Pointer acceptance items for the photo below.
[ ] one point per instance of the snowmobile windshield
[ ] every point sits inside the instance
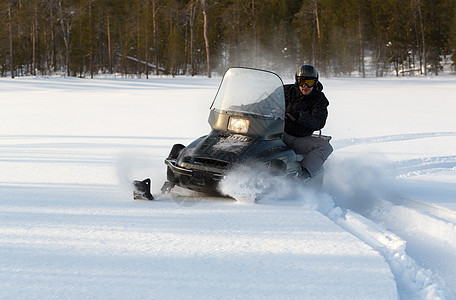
(251, 91)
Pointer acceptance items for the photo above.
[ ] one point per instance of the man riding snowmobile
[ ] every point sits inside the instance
(247, 118)
(306, 112)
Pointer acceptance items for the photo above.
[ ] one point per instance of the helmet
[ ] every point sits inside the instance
(307, 71)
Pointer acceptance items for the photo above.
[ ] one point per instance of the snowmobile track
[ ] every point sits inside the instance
(422, 166)
(423, 218)
(382, 228)
(413, 280)
(436, 210)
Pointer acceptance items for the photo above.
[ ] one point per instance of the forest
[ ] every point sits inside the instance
(139, 38)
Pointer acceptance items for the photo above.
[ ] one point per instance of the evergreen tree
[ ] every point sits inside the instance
(138, 37)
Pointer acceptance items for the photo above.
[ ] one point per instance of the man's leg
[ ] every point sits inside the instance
(316, 151)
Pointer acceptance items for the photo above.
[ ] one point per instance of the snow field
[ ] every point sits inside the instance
(69, 229)
(99, 245)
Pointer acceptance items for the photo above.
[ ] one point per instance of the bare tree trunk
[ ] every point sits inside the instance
(317, 21)
(67, 18)
(361, 42)
(20, 33)
(34, 34)
(255, 40)
(147, 39)
(66, 36)
(10, 34)
(54, 55)
(91, 39)
(108, 29)
(206, 39)
(422, 37)
(192, 23)
(154, 25)
(124, 43)
(138, 48)
(417, 38)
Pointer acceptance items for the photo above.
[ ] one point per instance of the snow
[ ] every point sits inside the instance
(381, 227)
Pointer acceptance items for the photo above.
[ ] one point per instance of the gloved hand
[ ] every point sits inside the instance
(290, 114)
(290, 117)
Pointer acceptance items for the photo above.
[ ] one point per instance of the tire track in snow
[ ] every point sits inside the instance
(398, 228)
(413, 281)
(373, 219)
(430, 232)
(389, 138)
(416, 238)
(440, 212)
(421, 166)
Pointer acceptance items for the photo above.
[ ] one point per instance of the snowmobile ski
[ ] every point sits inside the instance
(142, 190)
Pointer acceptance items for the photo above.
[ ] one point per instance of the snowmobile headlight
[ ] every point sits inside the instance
(238, 125)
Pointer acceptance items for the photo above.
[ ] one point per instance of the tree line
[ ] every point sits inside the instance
(142, 37)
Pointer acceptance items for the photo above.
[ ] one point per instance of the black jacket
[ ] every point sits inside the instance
(305, 114)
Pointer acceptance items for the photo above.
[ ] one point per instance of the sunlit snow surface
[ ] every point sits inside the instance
(70, 229)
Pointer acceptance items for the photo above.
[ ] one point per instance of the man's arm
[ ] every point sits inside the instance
(316, 119)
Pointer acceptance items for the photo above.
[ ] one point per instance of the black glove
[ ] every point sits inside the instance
(290, 114)
(290, 117)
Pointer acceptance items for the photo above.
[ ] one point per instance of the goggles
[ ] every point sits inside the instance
(305, 81)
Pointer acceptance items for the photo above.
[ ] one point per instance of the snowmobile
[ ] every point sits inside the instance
(247, 118)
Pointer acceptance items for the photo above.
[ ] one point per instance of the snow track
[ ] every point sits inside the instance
(428, 165)
(401, 229)
(417, 237)
(396, 226)
(413, 282)
(439, 212)
(391, 138)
